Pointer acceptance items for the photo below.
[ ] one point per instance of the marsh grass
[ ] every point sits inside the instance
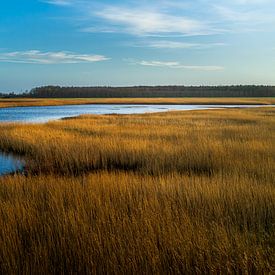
(16, 102)
(230, 142)
(178, 192)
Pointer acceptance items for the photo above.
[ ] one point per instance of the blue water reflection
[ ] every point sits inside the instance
(10, 164)
(46, 113)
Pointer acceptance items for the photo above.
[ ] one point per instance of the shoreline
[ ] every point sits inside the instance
(47, 102)
(24, 171)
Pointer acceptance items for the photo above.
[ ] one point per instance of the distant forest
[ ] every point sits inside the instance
(147, 91)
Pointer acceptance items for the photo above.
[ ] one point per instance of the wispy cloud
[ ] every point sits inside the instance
(174, 17)
(233, 15)
(139, 21)
(249, 2)
(246, 14)
(58, 2)
(175, 65)
(165, 44)
(100, 30)
(38, 57)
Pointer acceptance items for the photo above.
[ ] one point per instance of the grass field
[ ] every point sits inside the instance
(11, 102)
(177, 192)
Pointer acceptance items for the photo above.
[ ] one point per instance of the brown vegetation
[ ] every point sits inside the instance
(189, 192)
(24, 102)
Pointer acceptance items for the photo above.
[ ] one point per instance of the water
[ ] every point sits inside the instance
(9, 164)
(47, 113)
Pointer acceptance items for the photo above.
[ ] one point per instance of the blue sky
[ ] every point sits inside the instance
(130, 42)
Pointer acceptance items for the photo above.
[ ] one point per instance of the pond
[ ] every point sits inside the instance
(47, 113)
(10, 164)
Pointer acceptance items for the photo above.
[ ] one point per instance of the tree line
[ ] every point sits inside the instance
(148, 91)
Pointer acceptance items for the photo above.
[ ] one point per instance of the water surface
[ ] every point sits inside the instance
(46, 113)
(10, 164)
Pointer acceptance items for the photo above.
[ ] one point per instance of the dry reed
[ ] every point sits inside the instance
(16, 102)
(178, 192)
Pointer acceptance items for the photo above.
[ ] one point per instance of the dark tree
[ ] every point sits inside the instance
(154, 91)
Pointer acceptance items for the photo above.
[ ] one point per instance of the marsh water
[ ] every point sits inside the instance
(10, 163)
(47, 113)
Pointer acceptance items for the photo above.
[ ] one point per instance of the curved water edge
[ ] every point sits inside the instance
(41, 114)
(9, 164)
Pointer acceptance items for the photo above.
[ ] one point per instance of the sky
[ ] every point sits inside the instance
(136, 42)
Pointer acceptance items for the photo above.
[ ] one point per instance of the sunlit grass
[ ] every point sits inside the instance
(15, 102)
(178, 192)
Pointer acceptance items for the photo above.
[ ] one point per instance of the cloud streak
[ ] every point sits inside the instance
(166, 18)
(176, 65)
(59, 2)
(166, 44)
(139, 21)
(38, 57)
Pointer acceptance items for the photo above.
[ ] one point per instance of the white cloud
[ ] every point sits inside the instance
(172, 18)
(147, 22)
(164, 44)
(176, 65)
(38, 57)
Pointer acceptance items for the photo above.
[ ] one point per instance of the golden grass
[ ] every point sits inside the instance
(24, 102)
(178, 192)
